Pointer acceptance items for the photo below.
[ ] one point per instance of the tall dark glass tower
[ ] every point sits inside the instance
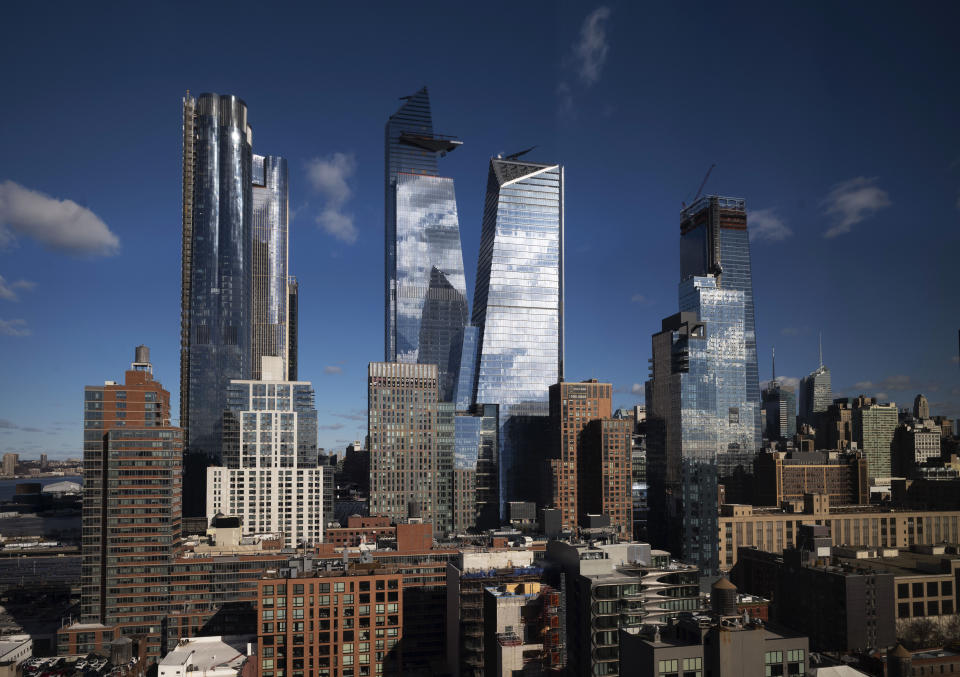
(425, 288)
(714, 241)
(216, 307)
(518, 308)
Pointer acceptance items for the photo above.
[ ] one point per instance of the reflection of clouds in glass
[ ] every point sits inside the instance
(518, 300)
(431, 308)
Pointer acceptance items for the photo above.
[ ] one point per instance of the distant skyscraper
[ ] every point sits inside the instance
(714, 240)
(921, 408)
(271, 479)
(269, 261)
(412, 437)
(874, 428)
(518, 307)
(215, 318)
(425, 291)
(816, 393)
(131, 502)
(780, 408)
(780, 404)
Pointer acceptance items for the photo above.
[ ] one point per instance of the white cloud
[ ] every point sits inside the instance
(881, 397)
(14, 328)
(8, 291)
(765, 225)
(639, 298)
(330, 177)
(332, 369)
(591, 51)
(62, 225)
(789, 381)
(637, 389)
(852, 201)
(790, 331)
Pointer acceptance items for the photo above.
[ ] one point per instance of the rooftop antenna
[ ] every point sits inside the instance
(773, 352)
(820, 346)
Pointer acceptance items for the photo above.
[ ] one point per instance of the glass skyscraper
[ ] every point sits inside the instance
(714, 241)
(816, 394)
(269, 258)
(780, 405)
(701, 421)
(518, 307)
(425, 288)
(682, 440)
(216, 305)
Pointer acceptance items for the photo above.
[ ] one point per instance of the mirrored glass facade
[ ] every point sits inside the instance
(723, 311)
(714, 241)
(475, 468)
(425, 290)
(466, 357)
(215, 318)
(682, 441)
(519, 306)
(269, 294)
(431, 294)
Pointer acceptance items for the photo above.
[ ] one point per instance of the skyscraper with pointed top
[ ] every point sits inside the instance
(518, 308)
(816, 391)
(780, 406)
(425, 302)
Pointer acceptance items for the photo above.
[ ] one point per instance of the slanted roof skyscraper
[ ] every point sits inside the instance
(425, 302)
(518, 305)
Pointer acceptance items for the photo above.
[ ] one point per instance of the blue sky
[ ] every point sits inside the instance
(836, 121)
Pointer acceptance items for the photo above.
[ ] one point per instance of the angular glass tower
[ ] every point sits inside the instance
(215, 313)
(518, 307)
(714, 241)
(269, 300)
(425, 288)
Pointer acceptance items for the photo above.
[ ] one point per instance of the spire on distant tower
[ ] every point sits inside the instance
(820, 347)
(773, 378)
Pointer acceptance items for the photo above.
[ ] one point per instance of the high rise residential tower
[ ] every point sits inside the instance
(425, 288)
(131, 503)
(270, 479)
(269, 262)
(714, 241)
(412, 441)
(215, 320)
(518, 307)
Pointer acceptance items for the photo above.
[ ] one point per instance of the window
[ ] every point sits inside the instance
(918, 589)
(932, 589)
(946, 588)
(903, 590)
(917, 609)
(903, 610)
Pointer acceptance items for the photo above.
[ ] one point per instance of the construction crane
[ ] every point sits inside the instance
(700, 189)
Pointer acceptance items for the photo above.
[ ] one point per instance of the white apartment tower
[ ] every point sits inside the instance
(270, 478)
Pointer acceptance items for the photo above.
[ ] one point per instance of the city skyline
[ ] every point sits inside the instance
(835, 222)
